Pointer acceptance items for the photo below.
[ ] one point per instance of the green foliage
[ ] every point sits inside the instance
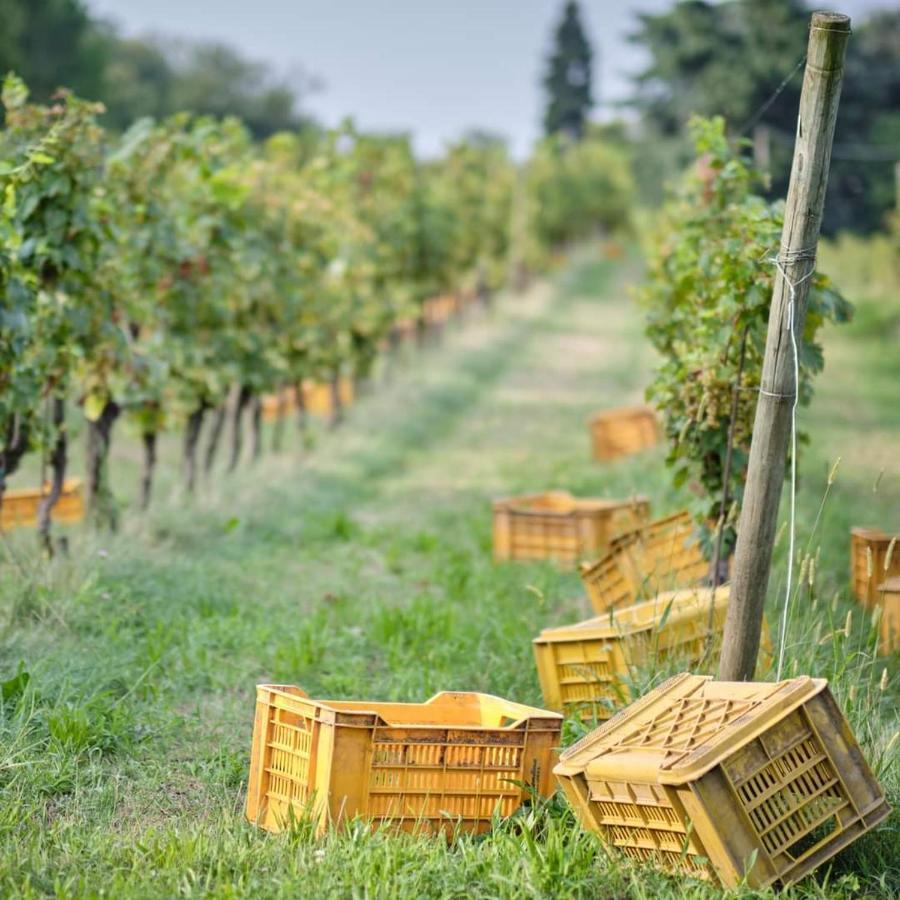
(150, 273)
(475, 185)
(576, 188)
(53, 43)
(730, 59)
(568, 81)
(709, 282)
(51, 231)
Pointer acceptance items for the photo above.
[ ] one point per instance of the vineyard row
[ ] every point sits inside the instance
(155, 273)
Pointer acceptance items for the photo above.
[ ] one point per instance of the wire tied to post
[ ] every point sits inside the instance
(789, 258)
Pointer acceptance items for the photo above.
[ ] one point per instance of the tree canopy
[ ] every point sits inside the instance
(56, 43)
(742, 59)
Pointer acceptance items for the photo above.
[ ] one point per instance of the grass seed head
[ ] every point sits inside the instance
(890, 554)
(780, 533)
(891, 743)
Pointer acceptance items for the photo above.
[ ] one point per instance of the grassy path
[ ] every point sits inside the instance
(359, 570)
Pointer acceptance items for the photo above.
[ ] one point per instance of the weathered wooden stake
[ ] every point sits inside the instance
(771, 429)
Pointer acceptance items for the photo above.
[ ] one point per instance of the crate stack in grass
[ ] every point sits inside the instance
(656, 556)
(648, 590)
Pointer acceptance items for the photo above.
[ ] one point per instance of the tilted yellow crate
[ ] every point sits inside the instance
(726, 780)
(657, 556)
(584, 668)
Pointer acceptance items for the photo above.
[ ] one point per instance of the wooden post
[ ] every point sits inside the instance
(771, 429)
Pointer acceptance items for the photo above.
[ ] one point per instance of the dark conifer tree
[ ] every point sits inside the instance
(568, 78)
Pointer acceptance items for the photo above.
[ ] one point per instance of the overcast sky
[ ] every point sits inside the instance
(431, 67)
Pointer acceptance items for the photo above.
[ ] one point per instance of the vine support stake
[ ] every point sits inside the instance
(771, 428)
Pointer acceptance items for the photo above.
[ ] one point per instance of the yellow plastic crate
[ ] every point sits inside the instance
(440, 309)
(21, 505)
(726, 780)
(583, 668)
(889, 601)
(623, 431)
(406, 328)
(453, 762)
(659, 556)
(274, 406)
(557, 526)
(866, 543)
(316, 396)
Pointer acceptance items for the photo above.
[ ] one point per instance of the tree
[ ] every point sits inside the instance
(138, 83)
(861, 186)
(56, 43)
(53, 44)
(214, 79)
(568, 79)
(693, 48)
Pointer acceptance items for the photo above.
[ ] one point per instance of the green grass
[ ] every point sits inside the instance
(362, 569)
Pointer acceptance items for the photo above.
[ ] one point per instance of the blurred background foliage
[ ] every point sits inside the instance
(692, 53)
(730, 59)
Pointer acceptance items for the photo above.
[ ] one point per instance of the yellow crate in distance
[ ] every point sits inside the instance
(889, 601)
(657, 556)
(708, 777)
(452, 762)
(874, 557)
(583, 669)
(557, 526)
(316, 399)
(623, 431)
(21, 505)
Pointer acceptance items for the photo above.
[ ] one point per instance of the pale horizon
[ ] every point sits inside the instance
(434, 70)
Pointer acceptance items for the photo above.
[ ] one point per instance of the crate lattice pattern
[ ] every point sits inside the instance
(783, 780)
(687, 724)
(792, 789)
(661, 555)
(435, 778)
(289, 768)
(536, 536)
